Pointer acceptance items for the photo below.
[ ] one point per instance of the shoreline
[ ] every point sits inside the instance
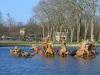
(7, 45)
(68, 45)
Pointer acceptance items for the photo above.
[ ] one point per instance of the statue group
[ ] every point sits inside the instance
(87, 49)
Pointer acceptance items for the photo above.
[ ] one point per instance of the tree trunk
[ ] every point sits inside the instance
(48, 31)
(78, 27)
(56, 31)
(66, 37)
(92, 20)
(85, 33)
(78, 33)
(92, 25)
(42, 30)
(60, 32)
(53, 34)
(72, 33)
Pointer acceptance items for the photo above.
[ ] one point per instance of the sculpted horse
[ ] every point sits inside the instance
(37, 51)
(83, 50)
(92, 49)
(18, 52)
(15, 51)
(12, 51)
(45, 44)
(86, 50)
(49, 50)
(63, 51)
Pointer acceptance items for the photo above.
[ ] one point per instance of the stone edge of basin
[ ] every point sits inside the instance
(68, 45)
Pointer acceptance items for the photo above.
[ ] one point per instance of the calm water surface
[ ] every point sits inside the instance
(38, 65)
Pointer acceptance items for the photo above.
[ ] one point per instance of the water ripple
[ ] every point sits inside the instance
(55, 66)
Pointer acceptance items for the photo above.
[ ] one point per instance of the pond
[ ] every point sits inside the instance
(37, 65)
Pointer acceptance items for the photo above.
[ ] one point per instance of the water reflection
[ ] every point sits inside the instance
(63, 59)
(48, 58)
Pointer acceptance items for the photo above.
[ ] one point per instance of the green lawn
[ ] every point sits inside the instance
(33, 42)
(19, 42)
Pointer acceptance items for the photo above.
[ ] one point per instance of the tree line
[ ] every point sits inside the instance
(79, 20)
(11, 28)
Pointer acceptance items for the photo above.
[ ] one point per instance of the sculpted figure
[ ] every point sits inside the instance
(86, 49)
(45, 44)
(37, 51)
(63, 51)
(49, 51)
(18, 52)
(83, 50)
(92, 49)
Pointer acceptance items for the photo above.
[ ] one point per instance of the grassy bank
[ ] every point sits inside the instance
(21, 42)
